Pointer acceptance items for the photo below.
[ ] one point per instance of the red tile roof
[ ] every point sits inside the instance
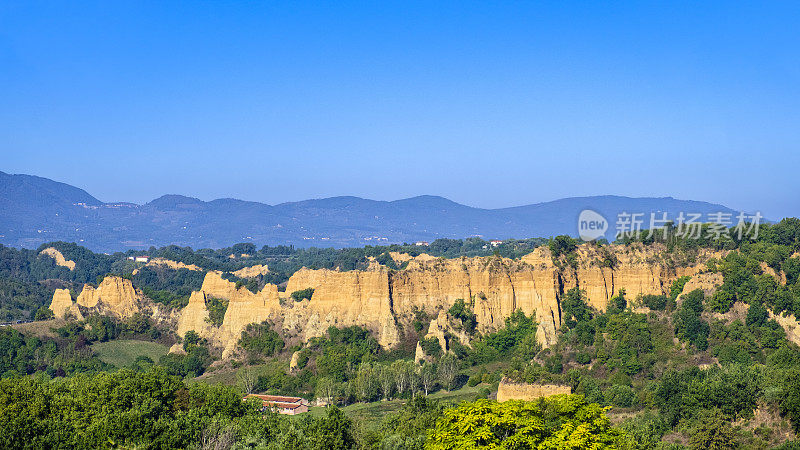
(275, 398)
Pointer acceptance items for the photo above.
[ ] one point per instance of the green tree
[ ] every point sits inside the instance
(334, 431)
(448, 370)
(688, 324)
(713, 432)
(303, 294)
(261, 340)
(216, 309)
(463, 312)
(574, 308)
(43, 314)
(562, 421)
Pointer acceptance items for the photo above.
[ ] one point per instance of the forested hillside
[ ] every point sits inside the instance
(711, 362)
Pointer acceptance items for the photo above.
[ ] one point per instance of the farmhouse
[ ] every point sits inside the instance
(143, 259)
(281, 404)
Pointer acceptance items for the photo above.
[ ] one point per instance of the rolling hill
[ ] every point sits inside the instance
(34, 210)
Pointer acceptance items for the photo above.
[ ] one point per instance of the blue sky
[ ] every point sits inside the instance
(489, 104)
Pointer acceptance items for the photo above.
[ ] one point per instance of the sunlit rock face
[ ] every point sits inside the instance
(386, 301)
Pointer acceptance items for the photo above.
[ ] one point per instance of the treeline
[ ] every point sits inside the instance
(784, 233)
(285, 260)
(151, 409)
(167, 286)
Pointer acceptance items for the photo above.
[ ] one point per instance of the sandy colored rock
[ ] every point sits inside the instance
(400, 258)
(293, 362)
(378, 298)
(194, 316)
(419, 354)
(779, 276)
(344, 299)
(708, 282)
(508, 390)
(383, 300)
(62, 305)
(177, 349)
(175, 265)
(244, 308)
(115, 295)
(252, 271)
(61, 302)
(58, 257)
(789, 324)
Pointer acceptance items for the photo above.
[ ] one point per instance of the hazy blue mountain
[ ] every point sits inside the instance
(34, 210)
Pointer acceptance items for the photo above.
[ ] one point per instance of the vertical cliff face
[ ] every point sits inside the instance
(244, 308)
(343, 299)
(62, 304)
(115, 295)
(496, 287)
(194, 316)
(385, 301)
(638, 269)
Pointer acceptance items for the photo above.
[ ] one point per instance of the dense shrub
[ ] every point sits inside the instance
(303, 294)
(261, 340)
(216, 309)
(462, 312)
(689, 326)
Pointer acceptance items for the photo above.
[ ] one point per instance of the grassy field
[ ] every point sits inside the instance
(42, 328)
(122, 353)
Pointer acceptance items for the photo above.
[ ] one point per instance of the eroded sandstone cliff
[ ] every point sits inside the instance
(114, 295)
(387, 301)
(244, 307)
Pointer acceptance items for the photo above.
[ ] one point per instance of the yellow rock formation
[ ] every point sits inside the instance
(244, 307)
(172, 264)
(439, 328)
(400, 258)
(62, 304)
(194, 316)
(252, 271)
(790, 325)
(115, 295)
(58, 257)
(707, 282)
(343, 299)
(384, 300)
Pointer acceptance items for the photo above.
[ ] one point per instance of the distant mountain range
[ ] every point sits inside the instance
(34, 210)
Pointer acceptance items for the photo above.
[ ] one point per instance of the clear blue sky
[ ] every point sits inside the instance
(487, 104)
